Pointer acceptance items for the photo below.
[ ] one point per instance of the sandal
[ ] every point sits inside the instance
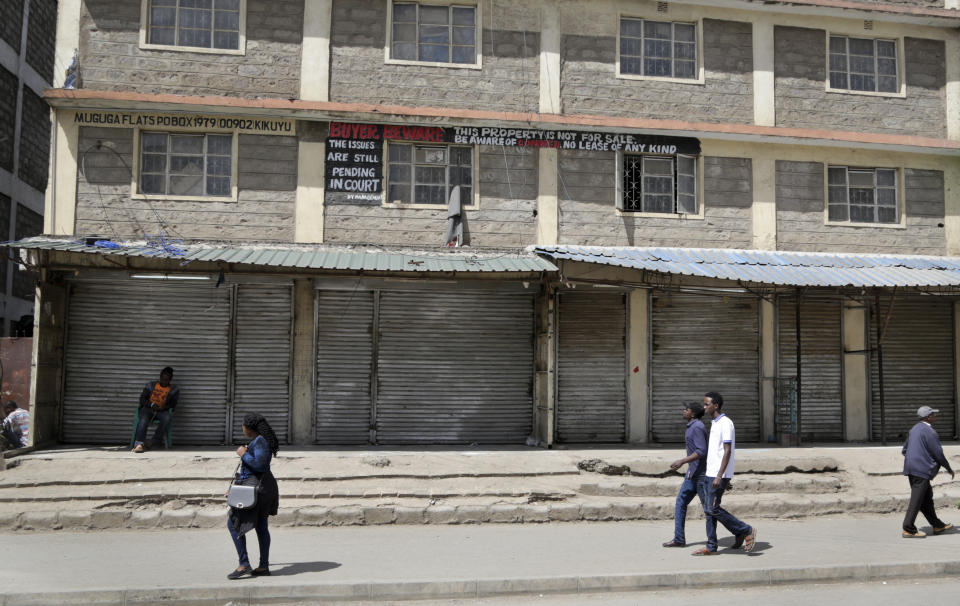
(703, 551)
(750, 541)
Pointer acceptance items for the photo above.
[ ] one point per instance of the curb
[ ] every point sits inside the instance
(238, 595)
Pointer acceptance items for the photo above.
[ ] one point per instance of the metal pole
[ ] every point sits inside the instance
(799, 365)
(883, 408)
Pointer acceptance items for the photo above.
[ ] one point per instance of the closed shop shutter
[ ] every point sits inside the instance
(344, 346)
(121, 333)
(454, 367)
(592, 368)
(821, 389)
(705, 343)
(263, 356)
(917, 365)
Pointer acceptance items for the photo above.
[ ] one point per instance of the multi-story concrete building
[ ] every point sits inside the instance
(658, 198)
(26, 70)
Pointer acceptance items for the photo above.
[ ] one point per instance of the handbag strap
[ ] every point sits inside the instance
(234, 476)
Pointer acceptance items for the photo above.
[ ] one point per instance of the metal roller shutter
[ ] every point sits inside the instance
(262, 356)
(344, 346)
(454, 367)
(591, 368)
(120, 334)
(917, 365)
(821, 391)
(705, 343)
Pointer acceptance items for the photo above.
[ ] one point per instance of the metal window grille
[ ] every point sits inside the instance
(436, 34)
(178, 164)
(863, 64)
(196, 23)
(658, 48)
(862, 195)
(659, 184)
(426, 174)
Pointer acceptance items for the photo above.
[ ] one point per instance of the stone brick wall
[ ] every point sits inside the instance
(264, 211)
(802, 100)
(28, 224)
(11, 23)
(34, 140)
(588, 207)
(509, 80)
(505, 218)
(110, 57)
(9, 87)
(41, 37)
(589, 84)
(801, 224)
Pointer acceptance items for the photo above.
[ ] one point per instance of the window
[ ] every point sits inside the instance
(862, 195)
(434, 33)
(175, 164)
(658, 48)
(660, 184)
(213, 24)
(862, 64)
(426, 174)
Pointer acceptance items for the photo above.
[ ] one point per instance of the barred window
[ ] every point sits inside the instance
(862, 195)
(426, 174)
(176, 164)
(863, 64)
(195, 23)
(658, 48)
(659, 184)
(437, 34)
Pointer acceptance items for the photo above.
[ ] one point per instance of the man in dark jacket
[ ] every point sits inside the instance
(923, 457)
(157, 399)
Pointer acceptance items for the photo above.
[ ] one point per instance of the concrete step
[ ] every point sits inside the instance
(657, 487)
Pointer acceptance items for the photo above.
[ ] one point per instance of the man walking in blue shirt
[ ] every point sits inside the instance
(696, 438)
(923, 457)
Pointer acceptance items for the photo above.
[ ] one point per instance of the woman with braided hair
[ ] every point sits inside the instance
(255, 469)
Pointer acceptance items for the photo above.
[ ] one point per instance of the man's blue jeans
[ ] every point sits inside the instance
(689, 489)
(715, 514)
(146, 416)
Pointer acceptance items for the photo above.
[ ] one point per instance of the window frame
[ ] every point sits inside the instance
(145, 35)
(135, 192)
(698, 184)
(478, 35)
(697, 23)
(472, 204)
(899, 190)
(901, 67)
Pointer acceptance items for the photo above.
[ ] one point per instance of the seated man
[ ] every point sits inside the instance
(157, 399)
(16, 425)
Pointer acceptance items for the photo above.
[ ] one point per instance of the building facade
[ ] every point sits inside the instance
(26, 69)
(263, 192)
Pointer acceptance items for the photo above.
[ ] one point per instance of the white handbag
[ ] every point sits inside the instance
(242, 496)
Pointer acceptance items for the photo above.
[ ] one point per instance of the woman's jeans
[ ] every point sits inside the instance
(715, 514)
(263, 538)
(691, 487)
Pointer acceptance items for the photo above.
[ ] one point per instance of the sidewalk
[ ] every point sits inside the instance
(181, 567)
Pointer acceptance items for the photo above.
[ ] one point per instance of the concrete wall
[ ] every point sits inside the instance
(589, 84)
(801, 223)
(47, 364)
(588, 214)
(264, 211)
(508, 80)
(111, 59)
(508, 180)
(802, 100)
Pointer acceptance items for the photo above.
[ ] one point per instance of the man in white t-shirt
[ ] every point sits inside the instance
(720, 457)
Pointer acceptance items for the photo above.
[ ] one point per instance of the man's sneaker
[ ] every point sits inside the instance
(137, 448)
(914, 535)
(942, 529)
(738, 541)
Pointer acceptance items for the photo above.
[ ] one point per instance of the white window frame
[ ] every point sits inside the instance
(900, 223)
(478, 20)
(138, 151)
(145, 35)
(698, 27)
(901, 72)
(620, 190)
(472, 204)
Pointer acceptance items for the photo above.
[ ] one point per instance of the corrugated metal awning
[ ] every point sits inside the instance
(772, 267)
(305, 256)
